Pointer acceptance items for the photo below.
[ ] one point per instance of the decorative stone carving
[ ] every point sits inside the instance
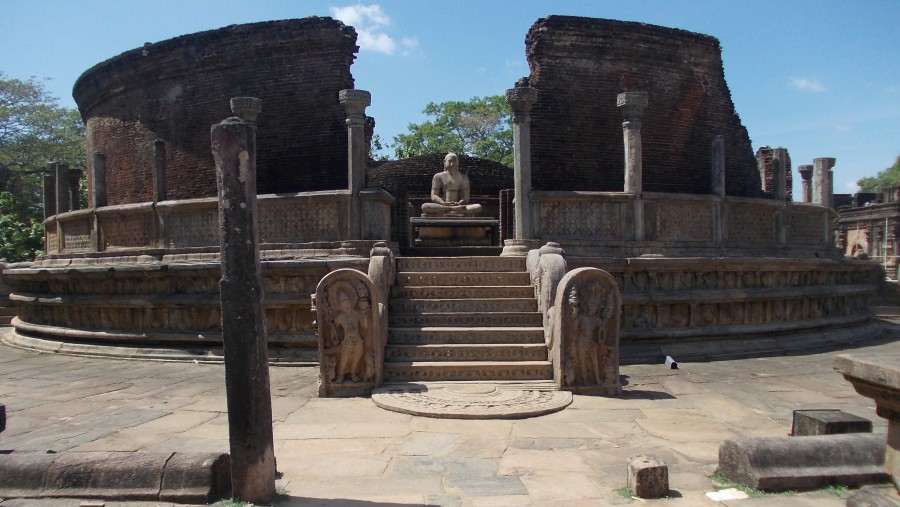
(349, 311)
(585, 347)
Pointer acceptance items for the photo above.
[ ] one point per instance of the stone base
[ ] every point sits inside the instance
(809, 423)
(454, 231)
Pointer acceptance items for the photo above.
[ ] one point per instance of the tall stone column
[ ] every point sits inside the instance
(63, 192)
(243, 314)
(821, 181)
(49, 191)
(355, 103)
(805, 186)
(633, 105)
(159, 171)
(717, 182)
(98, 180)
(779, 174)
(520, 99)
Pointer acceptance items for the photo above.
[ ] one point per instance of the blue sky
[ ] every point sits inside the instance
(820, 78)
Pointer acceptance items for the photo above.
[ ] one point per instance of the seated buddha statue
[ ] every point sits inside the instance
(450, 192)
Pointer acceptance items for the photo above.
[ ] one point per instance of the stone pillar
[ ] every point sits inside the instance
(243, 313)
(75, 187)
(355, 103)
(98, 181)
(717, 182)
(63, 193)
(520, 100)
(805, 186)
(632, 105)
(49, 191)
(159, 170)
(820, 183)
(779, 174)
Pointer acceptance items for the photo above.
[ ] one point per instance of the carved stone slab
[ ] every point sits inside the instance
(585, 332)
(470, 401)
(349, 327)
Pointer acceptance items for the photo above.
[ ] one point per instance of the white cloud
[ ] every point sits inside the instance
(370, 22)
(851, 187)
(807, 85)
(843, 127)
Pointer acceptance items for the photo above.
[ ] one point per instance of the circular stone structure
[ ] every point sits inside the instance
(470, 401)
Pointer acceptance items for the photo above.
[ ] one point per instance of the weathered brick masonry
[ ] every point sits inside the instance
(176, 89)
(579, 65)
(767, 171)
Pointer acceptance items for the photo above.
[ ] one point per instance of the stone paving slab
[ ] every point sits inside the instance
(348, 452)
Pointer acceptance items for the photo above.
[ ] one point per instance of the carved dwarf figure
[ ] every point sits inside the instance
(348, 325)
(454, 185)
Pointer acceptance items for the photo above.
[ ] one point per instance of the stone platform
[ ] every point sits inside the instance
(455, 231)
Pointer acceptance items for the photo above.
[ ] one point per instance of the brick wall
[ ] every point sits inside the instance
(176, 89)
(409, 181)
(579, 65)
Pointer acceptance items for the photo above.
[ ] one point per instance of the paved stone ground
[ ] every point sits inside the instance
(348, 452)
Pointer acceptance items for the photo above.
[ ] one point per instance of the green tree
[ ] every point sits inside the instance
(481, 127)
(889, 177)
(34, 129)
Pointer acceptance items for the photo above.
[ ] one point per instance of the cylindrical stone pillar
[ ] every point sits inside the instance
(355, 103)
(63, 192)
(98, 180)
(49, 191)
(159, 170)
(243, 314)
(805, 186)
(821, 183)
(520, 99)
(632, 105)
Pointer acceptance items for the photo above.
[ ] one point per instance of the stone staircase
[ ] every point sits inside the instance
(464, 319)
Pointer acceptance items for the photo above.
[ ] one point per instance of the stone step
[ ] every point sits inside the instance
(450, 353)
(468, 278)
(468, 370)
(464, 292)
(465, 335)
(500, 305)
(445, 264)
(6, 315)
(473, 319)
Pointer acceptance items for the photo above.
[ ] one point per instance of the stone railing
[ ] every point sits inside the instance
(193, 223)
(580, 220)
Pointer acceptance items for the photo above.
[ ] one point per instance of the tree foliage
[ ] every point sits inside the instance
(481, 127)
(34, 129)
(889, 177)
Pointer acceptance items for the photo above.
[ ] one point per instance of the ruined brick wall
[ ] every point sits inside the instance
(409, 181)
(579, 65)
(176, 89)
(767, 171)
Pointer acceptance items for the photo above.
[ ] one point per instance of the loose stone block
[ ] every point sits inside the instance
(828, 422)
(802, 463)
(648, 476)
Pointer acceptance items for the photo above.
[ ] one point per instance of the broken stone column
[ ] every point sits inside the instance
(355, 103)
(159, 170)
(520, 99)
(63, 193)
(779, 174)
(805, 184)
(633, 105)
(243, 313)
(75, 188)
(49, 191)
(821, 183)
(98, 182)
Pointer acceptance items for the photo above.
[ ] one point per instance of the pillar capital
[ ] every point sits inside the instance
(246, 108)
(632, 104)
(355, 103)
(520, 99)
(805, 171)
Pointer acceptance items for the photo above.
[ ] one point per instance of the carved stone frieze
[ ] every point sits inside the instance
(349, 328)
(596, 220)
(752, 223)
(131, 230)
(684, 221)
(77, 236)
(192, 228)
(284, 221)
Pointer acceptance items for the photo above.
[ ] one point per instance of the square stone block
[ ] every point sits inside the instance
(828, 422)
(648, 476)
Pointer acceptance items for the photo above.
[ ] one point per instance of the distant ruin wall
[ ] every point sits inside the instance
(176, 89)
(579, 65)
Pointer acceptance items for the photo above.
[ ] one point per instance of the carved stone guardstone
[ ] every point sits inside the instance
(585, 333)
(348, 310)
